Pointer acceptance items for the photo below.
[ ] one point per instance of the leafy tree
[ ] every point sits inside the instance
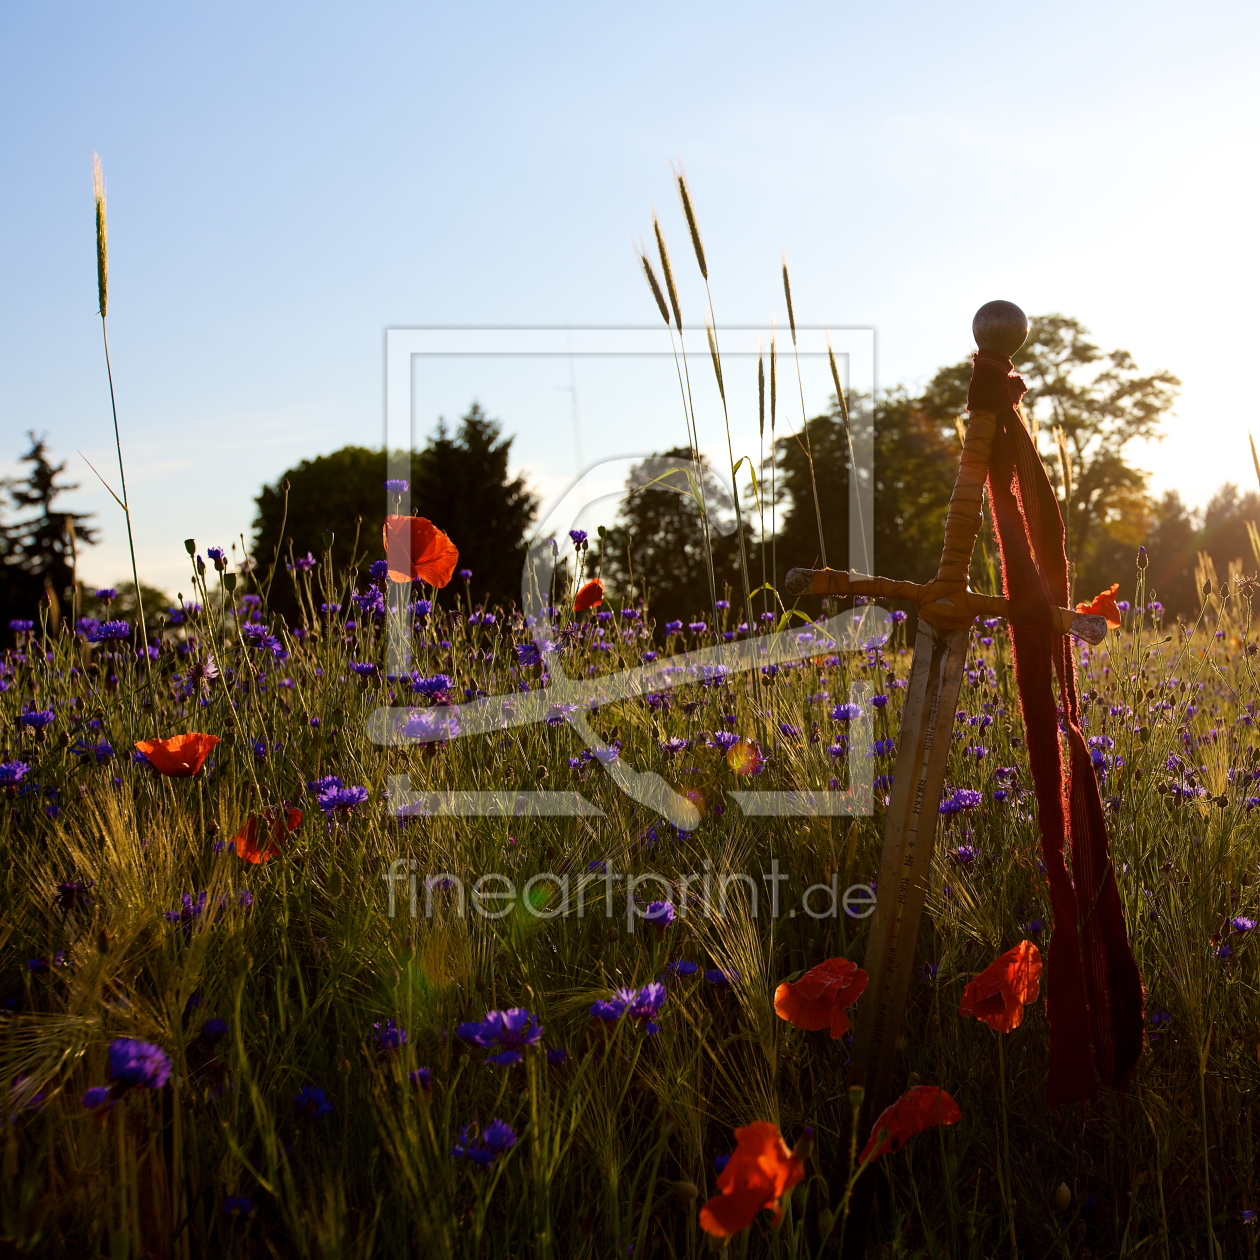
(460, 482)
(35, 549)
(656, 551)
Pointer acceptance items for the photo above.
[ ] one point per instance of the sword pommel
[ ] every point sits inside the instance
(1000, 326)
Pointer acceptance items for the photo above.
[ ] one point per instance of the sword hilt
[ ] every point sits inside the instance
(1001, 327)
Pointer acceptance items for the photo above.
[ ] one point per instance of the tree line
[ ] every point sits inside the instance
(1086, 408)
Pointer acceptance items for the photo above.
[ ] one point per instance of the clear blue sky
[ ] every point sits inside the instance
(286, 182)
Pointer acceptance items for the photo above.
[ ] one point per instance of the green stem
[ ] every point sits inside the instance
(1006, 1146)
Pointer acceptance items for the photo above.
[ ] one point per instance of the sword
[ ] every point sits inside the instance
(946, 611)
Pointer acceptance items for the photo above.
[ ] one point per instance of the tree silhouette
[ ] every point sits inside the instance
(36, 554)
(460, 482)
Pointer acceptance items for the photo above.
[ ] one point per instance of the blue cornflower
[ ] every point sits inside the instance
(71, 894)
(20, 626)
(723, 979)
(98, 1096)
(724, 740)
(432, 725)
(846, 712)
(101, 751)
(532, 653)
(422, 1079)
(789, 730)
(188, 912)
(389, 1036)
(681, 968)
(1034, 927)
(660, 914)
(342, 800)
(434, 688)
(378, 569)
(312, 1103)
(363, 668)
(963, 798)
(722, 604)
(397, 485)
(465, 575)
(879, 702)
(965, 854)
(214, 1030)
(138, 1064)
(578, 536)
(513, 1029)
(642, 1004)
(260, 749)
(237, 1205)
(325, 784)
(697, 627)
(673, 627)
(673, 745)
(37, 719)
(484, 1148)
(109, 632)
(1243, 924)
(216, 554)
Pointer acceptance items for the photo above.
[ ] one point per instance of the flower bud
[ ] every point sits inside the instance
(857, 1095)
(1062, 1197)
(190, 546)
(686, 1190)
(1142, 560)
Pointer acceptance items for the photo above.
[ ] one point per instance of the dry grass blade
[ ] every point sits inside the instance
(668, 270)
(654, 286)
(1254, 459)
(1065, 462)
(787, 293)
(691, 223)
(102, 251)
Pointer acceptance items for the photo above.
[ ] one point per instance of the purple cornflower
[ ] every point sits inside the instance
(19, 626)
(1243, 924)
(723, 979)
(342, 800)
(189, 912)
(672, 746)
(697, 627)
(217, 555)
(396, 485)
(557, 1056)
(378, 569)
(37, 719)
(101, 751)
(963, 798)
(109, 632)
(98, 1096)
(846, 712)
(965, 854)
(422, 1079)
(71, 894)
(435, 688)
(237, 1205)
(660, 914)
(312, 1103)
(325, 784)
(724, 740)
(578, 536)
(673, 627)
(1034, 927)
(484, 1148)
(363, 668)
(680, 968)
(642, 1004)
(432, 725)
(513, 1030)
(214, 1030)
(389, 1036)
(465, 575)
(138, 1064)
(879, 702)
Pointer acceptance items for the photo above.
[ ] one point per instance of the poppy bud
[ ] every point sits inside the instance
(826, 1220)
(190, 546)
(102, 942)
(328, 539)
(1063, 1197)
(1207, 587)
(857, 1095)
(686, 1190)
(229, 582)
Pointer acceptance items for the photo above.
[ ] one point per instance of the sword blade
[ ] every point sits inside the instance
(923, 746)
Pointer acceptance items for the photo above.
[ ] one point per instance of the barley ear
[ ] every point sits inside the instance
(787, 293)
(691, 223)
(713, 352)
(761, 391)
(102, 252)
(654, 286)
(668, 270)
(774, 372)
(835, 376)
(1254, 459)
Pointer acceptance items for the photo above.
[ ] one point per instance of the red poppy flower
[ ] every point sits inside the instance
(274, 824)
(590, 596)
(1104, 605)
(760, 1172)
(179, 757)
(919, 1108)
(817, 1000)
(1000, 992)
(417, 551)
